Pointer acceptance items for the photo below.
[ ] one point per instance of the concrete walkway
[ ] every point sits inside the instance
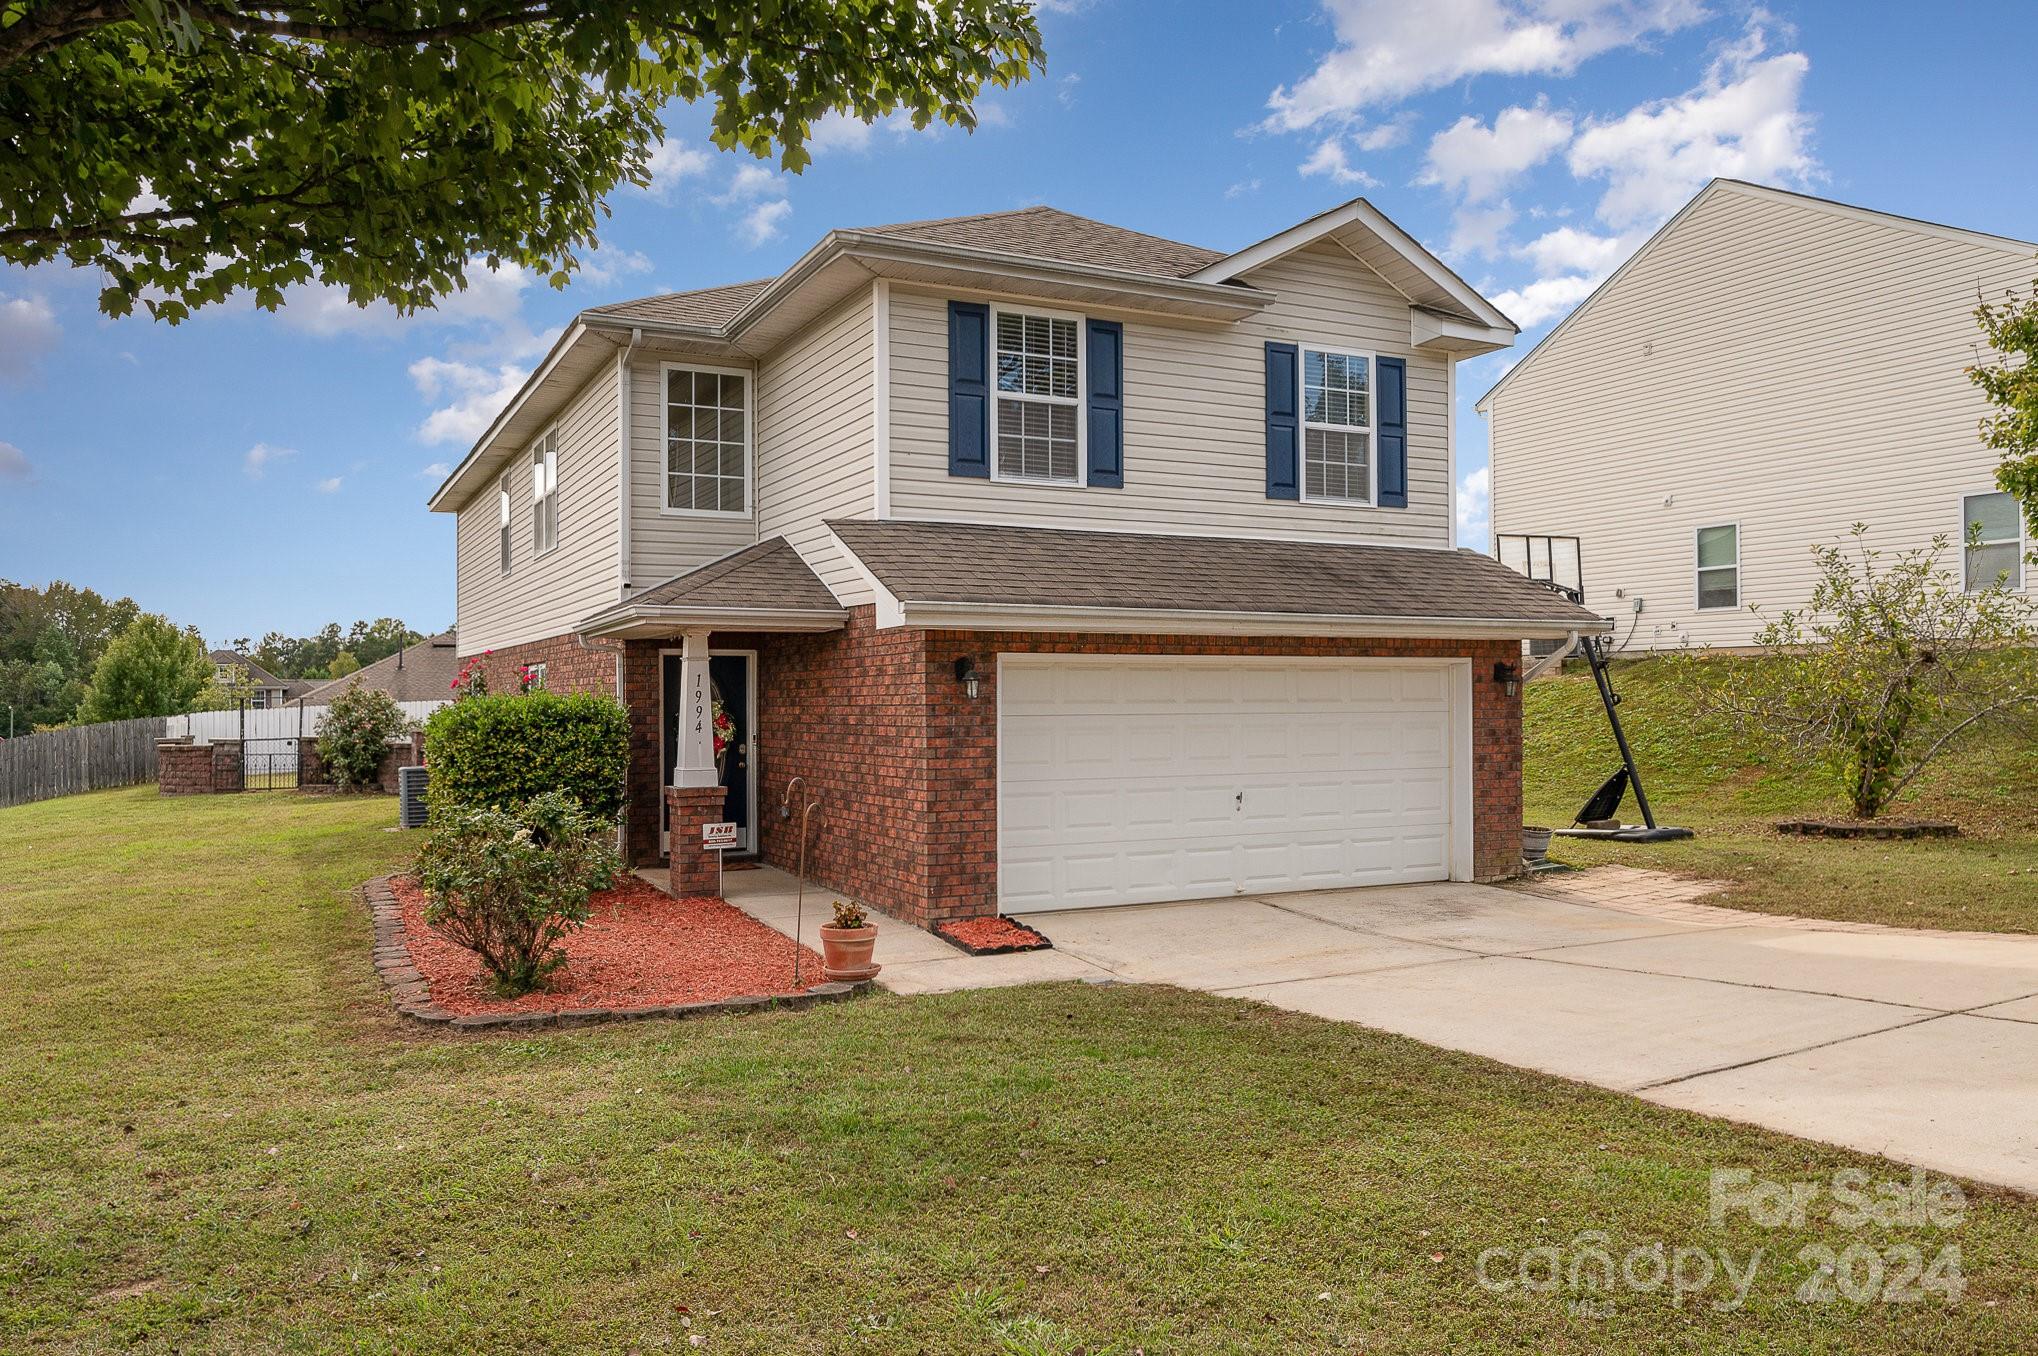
(1916, 1045)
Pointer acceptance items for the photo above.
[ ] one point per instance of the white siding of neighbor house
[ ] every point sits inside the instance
(545, 596)
(814, 416)
(1195, 418)
(1770, 362)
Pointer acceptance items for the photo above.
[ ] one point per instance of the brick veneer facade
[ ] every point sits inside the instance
(904, 763)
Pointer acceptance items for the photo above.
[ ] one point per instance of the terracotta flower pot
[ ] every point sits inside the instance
(845, 953)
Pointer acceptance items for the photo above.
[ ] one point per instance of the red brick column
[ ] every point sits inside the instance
(228, 769)
(183, 768)
(694, 869)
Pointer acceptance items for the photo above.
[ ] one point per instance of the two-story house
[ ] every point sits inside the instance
(1062, 565)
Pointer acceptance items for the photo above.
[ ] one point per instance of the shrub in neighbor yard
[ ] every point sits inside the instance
(1893, 663)
(502, 750)
(508, 884)
(354, 736)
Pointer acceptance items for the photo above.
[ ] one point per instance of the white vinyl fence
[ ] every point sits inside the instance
(281, 722)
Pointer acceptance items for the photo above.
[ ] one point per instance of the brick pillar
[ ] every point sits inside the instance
(227, 767)
(694, 869)
(183, 768)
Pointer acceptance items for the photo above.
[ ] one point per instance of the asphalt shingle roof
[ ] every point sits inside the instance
(1047, 567)
(425, 674)
(708, 307)
(767, 575)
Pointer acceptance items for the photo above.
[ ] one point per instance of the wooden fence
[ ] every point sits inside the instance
(82, 758)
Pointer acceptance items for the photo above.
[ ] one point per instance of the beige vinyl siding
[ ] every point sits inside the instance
(665, 544)
(814, 420)
(545, 595)
(1767, 362)
(1195, 418)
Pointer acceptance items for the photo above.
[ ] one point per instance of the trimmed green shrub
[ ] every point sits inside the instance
(508, 884)
(500, 751)
(354, 737)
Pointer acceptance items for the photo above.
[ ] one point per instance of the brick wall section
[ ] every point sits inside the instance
(183, 768)
(569, 666)
(313, 775)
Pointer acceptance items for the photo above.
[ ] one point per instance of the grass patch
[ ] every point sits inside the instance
(216, 1137)
(1707, 775)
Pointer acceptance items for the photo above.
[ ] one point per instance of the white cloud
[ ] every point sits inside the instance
(671, 164)
(749, 183)
(437, 470)
(1743, 121)
(1544, 299)
(762, 222)
(612, 262)
(474, 395)
(1478, 162)
(330, 485)
(492, 296)
(14, 463)
(1477, 230)
(1065, 89)
(1329, 158)
(1570, 250)
(1242, 187)
(28, 330)
(1475, 506)
(1388, 50)
(262, 456)
(837, 131)
(1387, 135)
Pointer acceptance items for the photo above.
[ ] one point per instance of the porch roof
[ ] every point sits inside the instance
(766, 587)
(985, 576)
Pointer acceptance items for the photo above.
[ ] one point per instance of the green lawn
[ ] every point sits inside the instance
(215, 1137)
(1706, 775)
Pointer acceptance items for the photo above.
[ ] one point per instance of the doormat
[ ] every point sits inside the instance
(995, 936)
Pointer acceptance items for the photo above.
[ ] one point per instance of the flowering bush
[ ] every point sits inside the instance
(473, 679)
(356, 732)
(509, 884)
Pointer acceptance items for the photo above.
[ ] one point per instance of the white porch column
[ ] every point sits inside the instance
(695, 763)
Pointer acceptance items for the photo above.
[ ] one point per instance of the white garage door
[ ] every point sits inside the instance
(1127, 780)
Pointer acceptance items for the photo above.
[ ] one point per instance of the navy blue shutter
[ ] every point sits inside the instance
(969, 389)
(1284, 423)
(1105, 361)
(1393, 433)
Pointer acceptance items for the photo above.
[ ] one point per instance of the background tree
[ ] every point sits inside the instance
(150, 669)
(226, 687)
(343, 664)
(192, 148)
(50, 638)
(1889, 666)
(2011, 384)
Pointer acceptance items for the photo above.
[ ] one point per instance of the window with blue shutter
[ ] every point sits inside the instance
(1106, 402)
(1283, 423)
(1393, 433)
(969, 389)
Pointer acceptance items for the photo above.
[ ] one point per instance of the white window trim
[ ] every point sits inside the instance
(1371, 427)
(1082, 479)
(505, 520)
(2023, 547)
(749, 509)
(548, 443)
(1697, 591)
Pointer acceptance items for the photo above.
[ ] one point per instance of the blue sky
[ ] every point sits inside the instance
(247, 471)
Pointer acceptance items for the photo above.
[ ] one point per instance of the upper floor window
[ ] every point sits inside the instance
(1992, 533)
(502, 518)
(545, 494)
(1039, 366)
(1337, 426)
(707, 440)
(1719, 566)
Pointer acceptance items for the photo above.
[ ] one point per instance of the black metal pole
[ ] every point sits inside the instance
(1596, 657)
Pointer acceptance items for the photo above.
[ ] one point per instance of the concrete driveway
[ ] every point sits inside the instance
(1919, 1046)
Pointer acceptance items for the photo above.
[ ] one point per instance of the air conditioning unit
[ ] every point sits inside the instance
(410, 796)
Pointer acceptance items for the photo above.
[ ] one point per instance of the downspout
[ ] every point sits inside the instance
(1553, 658)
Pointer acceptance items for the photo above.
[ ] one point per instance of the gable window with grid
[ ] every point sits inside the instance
(1992, 535)
(707, 441)
(1337, 426)
(1038, 361)
(1719, 567)
(502, 520)
(545, 494)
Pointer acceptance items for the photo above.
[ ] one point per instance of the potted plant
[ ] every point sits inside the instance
(846, 944)
(1535, 844)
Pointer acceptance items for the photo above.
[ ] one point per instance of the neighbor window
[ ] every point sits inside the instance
(502, 518)
(1040, 383)
(545, 494)
(1992, 532)
(1337, 426)
(707, 441)
(1719, 566)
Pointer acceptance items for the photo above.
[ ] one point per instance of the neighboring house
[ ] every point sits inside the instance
(1062, 565)
(423, 672)
(1768, 370)
(265, 689)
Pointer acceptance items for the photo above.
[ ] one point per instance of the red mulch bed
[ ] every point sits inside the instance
(992, 936)
(640, 948)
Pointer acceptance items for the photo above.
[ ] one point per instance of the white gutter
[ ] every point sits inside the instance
(951, 616)
(1552, 659)
(623, 515)
(681, 617)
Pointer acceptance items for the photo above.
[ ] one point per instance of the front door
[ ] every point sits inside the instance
(731, 676)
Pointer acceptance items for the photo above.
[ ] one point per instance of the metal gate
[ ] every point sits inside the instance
(269, 764)
(268, 758)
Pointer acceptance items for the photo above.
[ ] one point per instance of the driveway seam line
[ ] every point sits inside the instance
(1766, 988)
(1786, 1054)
